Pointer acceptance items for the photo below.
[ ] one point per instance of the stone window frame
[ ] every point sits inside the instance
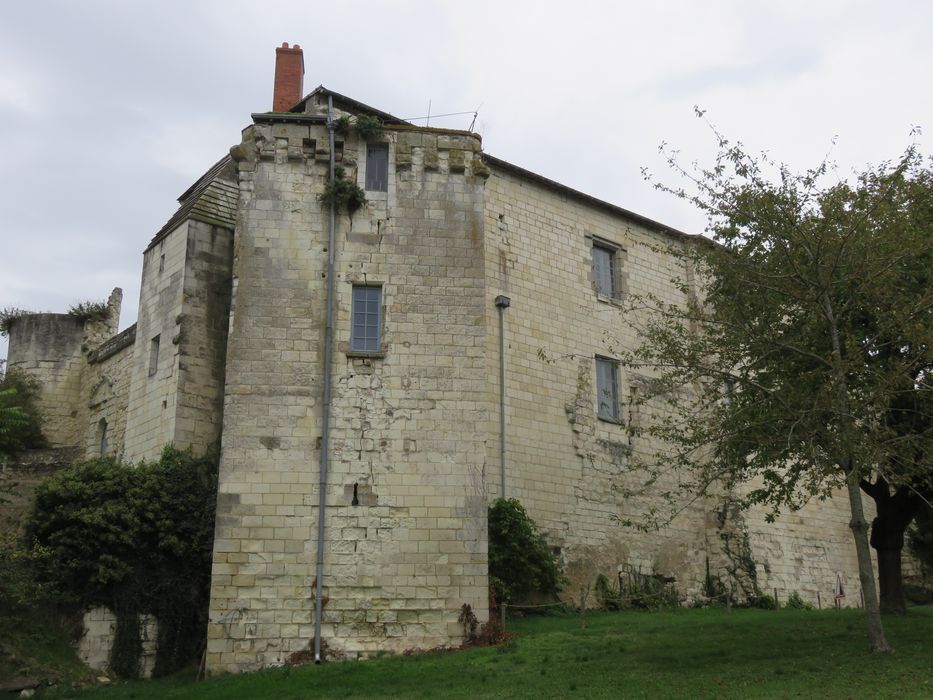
(352, 348)
(618, 258)
(613, 414)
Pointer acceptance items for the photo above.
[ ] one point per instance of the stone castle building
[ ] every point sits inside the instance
(459, 270)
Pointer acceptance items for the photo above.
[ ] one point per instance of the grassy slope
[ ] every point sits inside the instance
(684, 653)
(33, 646)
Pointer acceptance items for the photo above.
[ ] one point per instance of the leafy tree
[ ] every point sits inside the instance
(921, 539)
(136, 539)
(520, 561)
(807, 329)
(20, 426)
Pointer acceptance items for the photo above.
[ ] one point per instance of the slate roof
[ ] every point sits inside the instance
(211, 199)
(354, 105)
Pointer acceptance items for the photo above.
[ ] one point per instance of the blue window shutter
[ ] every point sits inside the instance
(377, 167)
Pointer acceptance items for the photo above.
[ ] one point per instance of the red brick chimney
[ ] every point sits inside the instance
(289, 77)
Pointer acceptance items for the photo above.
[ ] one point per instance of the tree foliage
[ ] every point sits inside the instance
(520, 561)
(20, 424)
(136, 539)
(800, 361)
(921, 539)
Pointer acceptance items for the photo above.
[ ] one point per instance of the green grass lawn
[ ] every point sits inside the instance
(677, 654)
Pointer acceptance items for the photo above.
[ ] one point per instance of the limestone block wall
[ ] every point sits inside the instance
(150, 422)
(96, 642)
(99, 331)
(408, 421)
(49, 348)
(567, 466)
(19, 477)
(571, 469)
(105, 390)
(803, 551)
(177, 368)
(202, 336)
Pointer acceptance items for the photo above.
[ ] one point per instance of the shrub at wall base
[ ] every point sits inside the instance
(520, 561)
(136, 539)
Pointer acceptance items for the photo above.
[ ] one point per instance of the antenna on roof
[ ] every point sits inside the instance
(475, 115)
(474, 112)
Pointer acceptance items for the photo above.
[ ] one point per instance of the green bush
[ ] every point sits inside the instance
(608, 597)
(17, 587)
(369, 128)
(90, 310)
(763, 602)
(342, 125)
(520, 561)
(340, 192)
(9, 314)
(20, 423)
(136, 539)
(795, 602)
(920, 539)
(918, 595)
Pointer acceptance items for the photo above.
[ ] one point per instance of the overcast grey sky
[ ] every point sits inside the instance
(109, 110)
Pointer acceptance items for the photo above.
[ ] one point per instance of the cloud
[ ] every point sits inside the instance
(111, 109)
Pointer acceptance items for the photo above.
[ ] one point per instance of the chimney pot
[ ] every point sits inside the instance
(289, 77)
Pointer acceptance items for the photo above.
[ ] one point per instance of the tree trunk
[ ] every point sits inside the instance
(891, 581)
(877, 640)
(895, 512)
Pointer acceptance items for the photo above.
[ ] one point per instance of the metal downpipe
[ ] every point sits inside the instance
(502, 303)
(325, 409)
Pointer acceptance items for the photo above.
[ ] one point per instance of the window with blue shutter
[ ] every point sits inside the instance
(604, 273)
(366, 319)
(607, 389)
(377, 167)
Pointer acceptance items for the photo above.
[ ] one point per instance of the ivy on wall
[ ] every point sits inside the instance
(136, 539)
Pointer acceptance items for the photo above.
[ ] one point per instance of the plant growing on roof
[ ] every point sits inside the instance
(342, 125)
(341, 192)
(90, 310)
(369, 128)
(7, 316)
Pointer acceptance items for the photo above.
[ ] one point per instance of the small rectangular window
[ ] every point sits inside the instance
(377, 167)
(607, 389)
(153, 355)
(102, 429)
(366, 319)
(604, 271)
